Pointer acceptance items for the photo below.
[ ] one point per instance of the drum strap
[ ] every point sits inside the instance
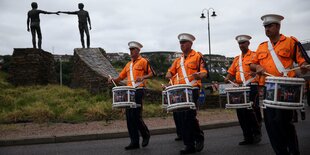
(184, 72)
(132, 79)
(241, 69)
(131, 75)
(276, 60)
(245, 82)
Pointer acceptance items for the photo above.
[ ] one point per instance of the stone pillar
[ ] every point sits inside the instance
(91, 69)
(31, 66)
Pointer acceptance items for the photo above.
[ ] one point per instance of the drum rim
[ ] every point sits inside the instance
(178, 86)
(189, 105)
(282, 107)
(234, 89)
(286, 104)
(290, 79)
(240, 105)
(123, 88)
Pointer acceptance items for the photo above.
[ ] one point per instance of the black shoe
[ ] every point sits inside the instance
(199, 145)
(132, 147)
(257, 139)
(246, 142)
(188, 150)
(178, 138)
(145, 141)
(303, 115)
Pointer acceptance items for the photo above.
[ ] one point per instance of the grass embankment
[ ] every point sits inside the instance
(54, 103)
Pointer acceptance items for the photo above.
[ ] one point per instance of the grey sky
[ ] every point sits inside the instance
(154, 23)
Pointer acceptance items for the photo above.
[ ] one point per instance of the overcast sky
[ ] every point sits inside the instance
(154, 23)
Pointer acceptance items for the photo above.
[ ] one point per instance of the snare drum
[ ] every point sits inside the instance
(238, 97)
(164, 100)
(178, 97)
(284, 92)
(124, 97)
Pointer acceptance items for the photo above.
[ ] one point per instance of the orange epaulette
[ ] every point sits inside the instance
(263, 42)
(295, 39)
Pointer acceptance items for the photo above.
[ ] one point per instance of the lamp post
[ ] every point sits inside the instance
(203, 17)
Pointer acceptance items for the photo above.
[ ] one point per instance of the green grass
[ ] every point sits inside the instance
(54, 103)
(155, 83)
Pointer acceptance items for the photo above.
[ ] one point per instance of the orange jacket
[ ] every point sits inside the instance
(140, 68)
(192, 64)
(246, 61)
(284, 49)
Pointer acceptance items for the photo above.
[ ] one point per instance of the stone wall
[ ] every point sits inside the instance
(31, 66)
(91, 69)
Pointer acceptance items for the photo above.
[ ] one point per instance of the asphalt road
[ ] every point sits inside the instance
(223, 141)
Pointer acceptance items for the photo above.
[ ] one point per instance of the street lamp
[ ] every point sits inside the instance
(203, 17)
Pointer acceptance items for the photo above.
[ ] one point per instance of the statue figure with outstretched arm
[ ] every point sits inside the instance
(83, 19)
(33, 23)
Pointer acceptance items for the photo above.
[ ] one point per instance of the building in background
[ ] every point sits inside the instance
(119, 56)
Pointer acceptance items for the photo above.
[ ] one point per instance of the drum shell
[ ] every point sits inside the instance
(123, 97)
(284, 93)
(238, 97)
(179, 98)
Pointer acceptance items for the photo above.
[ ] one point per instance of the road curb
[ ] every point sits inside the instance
(102, 136)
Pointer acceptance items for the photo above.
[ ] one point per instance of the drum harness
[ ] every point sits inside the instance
(276, 60)
(135, 85)
(184, 73)
(245, 82)
(132, 79)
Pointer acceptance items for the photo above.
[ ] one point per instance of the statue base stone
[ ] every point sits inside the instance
(91, 70)
(31, 66)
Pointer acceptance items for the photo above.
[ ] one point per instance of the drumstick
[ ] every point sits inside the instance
(112, 80)
(244, 72)
(231, 82)
(269, 74)
(188, 76)
(296, 68)
(170, 81)
(263, 73)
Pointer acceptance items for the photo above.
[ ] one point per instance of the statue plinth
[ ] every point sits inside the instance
(31, 66)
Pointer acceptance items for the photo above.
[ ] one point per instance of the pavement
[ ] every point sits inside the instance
(69, 137)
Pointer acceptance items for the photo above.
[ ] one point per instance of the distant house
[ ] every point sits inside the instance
(219, 63)
(117, 56)
(63, 58)
(171, 55)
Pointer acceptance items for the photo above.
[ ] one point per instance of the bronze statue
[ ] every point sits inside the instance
(83, 27)
(34, 20)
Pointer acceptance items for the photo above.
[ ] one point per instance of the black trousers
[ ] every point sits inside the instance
(281, 131)
(250, 119)
(177, 117)
(191, 132)
(135, 124)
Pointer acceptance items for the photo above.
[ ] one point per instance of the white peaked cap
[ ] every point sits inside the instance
(243, 38)
(271, 18)
(134, 44)
(186, 37)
